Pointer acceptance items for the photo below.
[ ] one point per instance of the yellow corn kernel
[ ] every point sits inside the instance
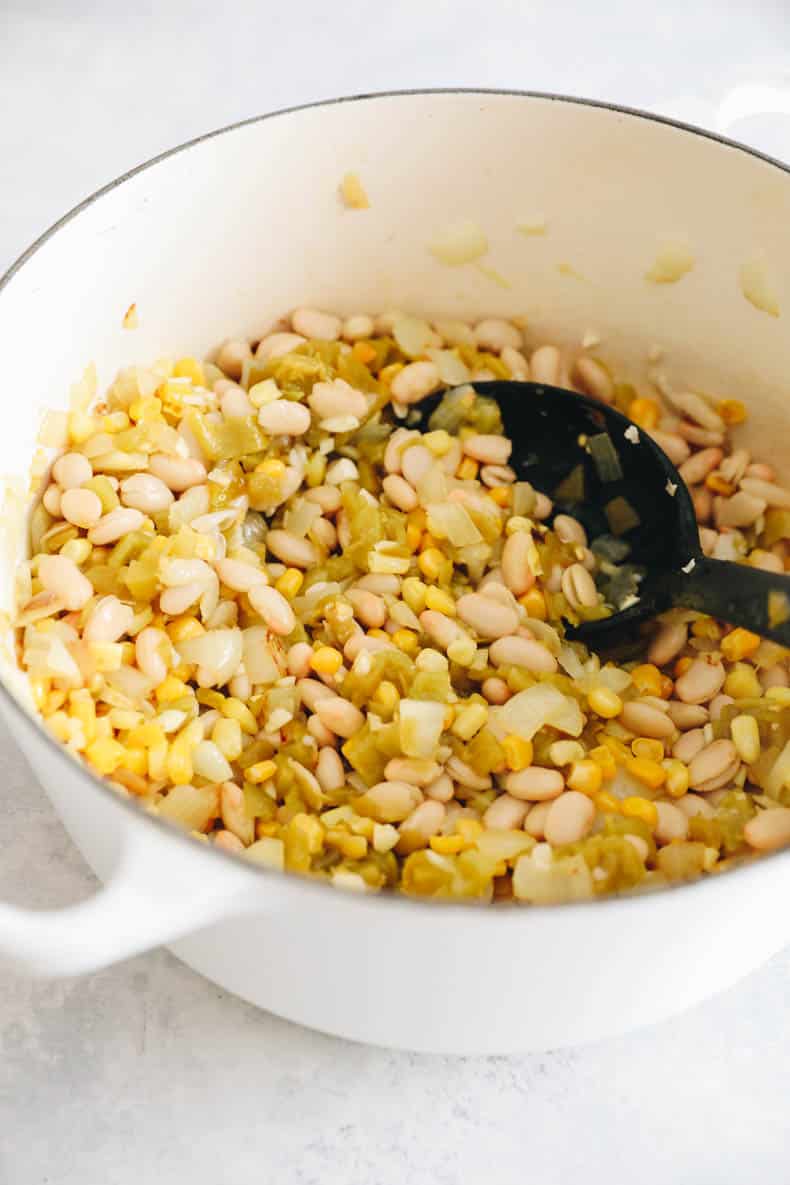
(677, 782)
(290, 582)
(667, 687)
(262, 829)
(262, 771)
(135, 761)
(226, 735)
(146, 736)
(716, 483)
(315, 470)
(500, 495)
(387, 374)
(414, 593)
(682, 665)
(325, 660)
(105, 754)
(644, 412)
(469, 720)
(428, 542)
(190, 368)
(649, 772)
(157, 762)
(646, 678)
(469, 829)
(739, 644)
(171, 688)
(585, 776)
(706, 627)
(418, 518)
(447, 845)
(354, 847)
(605, 703)
(438, 442)
(640, 808)
(745, 733)
(449, 716)
(186, 626)
(272, 467)
(604, 759)
(148, 408)
(742, 683)
(779, 695)
(462, 650)
(82, 426)
(518, 752)
(55, 700)
(60, 726)
(385, 699)
(407, 641)
(179, 759)
(364, 352)
(236, 710)
(648, 749)
(467, 470)
(441, 601)
(732, 411)
(534, 603)
(607, 802)
(413, 537)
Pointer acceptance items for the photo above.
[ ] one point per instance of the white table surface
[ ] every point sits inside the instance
(146, 1073)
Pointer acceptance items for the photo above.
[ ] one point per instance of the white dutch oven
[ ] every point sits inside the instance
(221, 236)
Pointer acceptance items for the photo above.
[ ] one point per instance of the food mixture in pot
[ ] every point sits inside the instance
(276, 604)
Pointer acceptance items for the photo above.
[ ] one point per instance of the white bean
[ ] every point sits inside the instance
(414, 382)
(272, 606)
(569, 818)
(296, 552)
(495, 334)
(311, 323)
(152, 651)
(284, 417)
(399, 492)
(83, 508)
(115, 525)
(72, 470)
(143, 491)
(61, 576)
(232, 355)
(486, 617)
(545, 365)
(178, 473)
(488, 449)
(108, 621)
(276, 345)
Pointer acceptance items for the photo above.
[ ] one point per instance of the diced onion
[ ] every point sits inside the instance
(421, 724)
(217, 654)
(412, 335)
(452, 369)
(449, 520)
(258, 660)
(529, 711)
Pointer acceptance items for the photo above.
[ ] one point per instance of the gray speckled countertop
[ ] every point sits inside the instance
(145, 1072)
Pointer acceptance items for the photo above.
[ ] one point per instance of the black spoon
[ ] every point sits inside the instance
(597, 466)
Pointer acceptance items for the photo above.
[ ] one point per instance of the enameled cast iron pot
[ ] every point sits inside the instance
(216, 239)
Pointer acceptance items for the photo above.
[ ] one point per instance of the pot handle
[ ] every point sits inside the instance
(136, 910)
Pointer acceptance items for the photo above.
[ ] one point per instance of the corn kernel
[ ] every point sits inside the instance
(354, 847)
(467, 470)
(640, 808)
(534, 602)
(779, 695)
(190, 368)
(447, 845)
(604, 758)
(413, 536)
(649, 772)
(262, 771)
(428, 542)
(385, 699)
(146, 736)
(226, 735)
(745, 734)
(500, 495)
(586, 776)
(647, 679)
(717, 485)
(469, 720)
(135, 761)
(315, 470)
(157, 762)
(682, 665)
(39, 689)
(171, 688)
(272, 467)
(148, 408)
(647, 748)
(325, 660)
(105, 754)
(644, 412)
(518, 752)
(667, 687)
(364, 352)
(55, 700)
(469, 829)
(607, 802)
(742, 683)
(441, 601)
(77, 550)
(414, 593)
(605, 703)
(378, 633)
(732, 411)
(677, 782)
(387, 374)
(407, 641)
(263, 392)
(462, 651)
(739, 644)
(184, 627)
(290, 582)
(236, 710)
(438, 442)
(706, 627)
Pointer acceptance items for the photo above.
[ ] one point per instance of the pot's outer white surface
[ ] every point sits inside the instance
(223, 236)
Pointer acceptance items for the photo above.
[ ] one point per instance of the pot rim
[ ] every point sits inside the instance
(305, 883)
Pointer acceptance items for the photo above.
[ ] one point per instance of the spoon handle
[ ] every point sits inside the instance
(759, 601)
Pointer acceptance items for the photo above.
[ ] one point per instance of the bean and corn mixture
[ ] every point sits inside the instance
(273, 605)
